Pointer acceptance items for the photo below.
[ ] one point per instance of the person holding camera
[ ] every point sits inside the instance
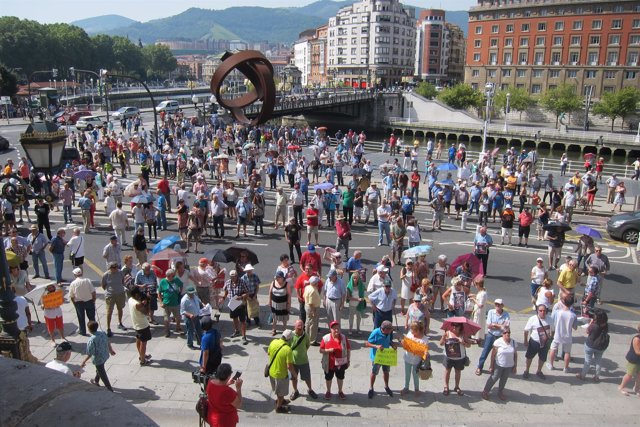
(223, 401)
(138, 309)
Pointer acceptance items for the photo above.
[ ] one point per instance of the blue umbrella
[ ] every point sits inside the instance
(141, 199)
(168, 242)
(324, 186)
(416, 250)
(85, 174)
(447, 167)
(588, 231)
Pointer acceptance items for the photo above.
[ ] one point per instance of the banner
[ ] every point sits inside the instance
(414, 347)
(386, 357)
(53, 300)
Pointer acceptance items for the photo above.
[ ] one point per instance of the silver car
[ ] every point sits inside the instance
(125, 112)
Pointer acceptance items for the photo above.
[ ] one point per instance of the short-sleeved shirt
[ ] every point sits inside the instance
(339, 353)
(506, 355)
(539, 329)
(378, 338)
(98, 348)
(312, 296)
(568, 279)
(221, 410)
(282, 359)
(300, 345)
(113, 283)
(170, 292)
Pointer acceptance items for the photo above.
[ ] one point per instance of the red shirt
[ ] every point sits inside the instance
(328, 342)
(599, 166)
(299, 286)
(163, 186)
(342, 228)
(312, 221)
(221, 412)
(312, 258)
(525, 219)
(415, 179)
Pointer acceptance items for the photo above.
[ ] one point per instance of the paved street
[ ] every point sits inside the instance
(165, 392)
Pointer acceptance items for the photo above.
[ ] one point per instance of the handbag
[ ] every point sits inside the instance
(267, 367)
(202, 406)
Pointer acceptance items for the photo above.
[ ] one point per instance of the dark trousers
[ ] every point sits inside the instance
(258, 222)
(303, 312)
(484, 258)
(44, 223)
(84, 310)
(101, 374)
(297, 214)
(218, 222)
(380, 316)
(347, 212)
(298, 250)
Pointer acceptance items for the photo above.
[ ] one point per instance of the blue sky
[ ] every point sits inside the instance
(47, 11)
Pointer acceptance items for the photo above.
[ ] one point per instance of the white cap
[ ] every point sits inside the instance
(248, 267)
(498, 301)
(381, 268)
(314, 279)
(77, 271)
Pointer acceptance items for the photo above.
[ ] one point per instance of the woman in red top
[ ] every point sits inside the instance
(224, 402)
(525, 220)
(336, 355)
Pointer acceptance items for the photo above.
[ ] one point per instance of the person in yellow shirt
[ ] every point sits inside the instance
(576, 180)
(568, 279)
(281, 364)
(8, 169)
(312, 302)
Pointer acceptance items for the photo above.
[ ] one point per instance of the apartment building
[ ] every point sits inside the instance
(540, 44)
(371, 43)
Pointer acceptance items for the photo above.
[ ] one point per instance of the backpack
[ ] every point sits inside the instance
(601, 342)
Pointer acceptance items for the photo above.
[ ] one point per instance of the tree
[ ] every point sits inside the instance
(562, 99)
(426, 90)
(617, 104)
(158, 60)
(8, 82)
(461, 97)
(519, 100)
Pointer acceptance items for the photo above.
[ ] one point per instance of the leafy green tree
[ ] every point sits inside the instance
(426, 90)
(158, 60)
(127, 56)
(562, 99)
(461, 97)
(8, 82)
(519, 100)
(617, 104)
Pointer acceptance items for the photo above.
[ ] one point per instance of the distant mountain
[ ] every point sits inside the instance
(322, 8)
(101, 24)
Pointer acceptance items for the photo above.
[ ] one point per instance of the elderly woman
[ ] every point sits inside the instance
(455, 344)
(479, 313)
(410, 284)
(279, 301)
(224, 401)
(537, 337)
(455, 297)
(418, 312)
(438, 281)
(411, 360)
(336, 357)
(20, 284)
(357, 303)
(504, 361)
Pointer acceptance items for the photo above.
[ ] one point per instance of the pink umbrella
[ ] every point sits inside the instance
(474, 263)
(468, 327)
(293, 147)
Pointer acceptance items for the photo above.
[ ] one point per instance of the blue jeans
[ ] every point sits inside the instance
(67, 213)
(591, 356)
(162, 219)
(384, 227)
(489, 339)
(474, 204)
(42, 257)
(193, 327)
(58, 260)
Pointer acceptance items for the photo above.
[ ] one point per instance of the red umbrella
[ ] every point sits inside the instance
(167, 254)
(589, 156)
(469, 327)
(293, 147)
(474, 263)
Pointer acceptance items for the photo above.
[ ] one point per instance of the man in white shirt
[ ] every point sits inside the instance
(564, 323)
(116, 190)
(119, 222)
(217, 207)
(378, 281)
(63, 354)
(83, 296)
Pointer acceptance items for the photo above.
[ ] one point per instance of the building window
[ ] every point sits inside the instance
(476, 57)
(495, 29)
(598, 9)
(539, 41)
(592, 58)
(632, 59)
(612, 58)
(616, 24)
(610, 75)
(577, 25)
(506, 73)
(554, 74)
(590, 74)
(538, 58)
(493, 58)
(475, 73)
(596, 25)
(629, 75)
(537, 73)
(491, 74)
(635, 23)
(477, 43)
(559, 26)
(542, 26)
(574, 58)
(479, 29)
(572, 74)
(521, 73)
(524, 41)
(508, 57)
(594, 40)
(634, 39)
(575, 40)
(494, 43)
(536, 89)
(614, 39)
(525, 28)
(508, 42)
(557, 41)
(509, 28)
(555, 58)
(522, 58)
(618, 8)
(609, 89)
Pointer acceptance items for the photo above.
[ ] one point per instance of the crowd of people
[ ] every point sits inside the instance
(335, 188)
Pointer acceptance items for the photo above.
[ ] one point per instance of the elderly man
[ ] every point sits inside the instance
(354, 264)
(372, 198)
(312, 301)
(379, 280)
(63, 354)
(169, 291)
(299, 346)
(335, 294)
(601, 262)
(311, 256)
(84, 203)
(252, 282)
(39, 243)
(115, 296)
(83, 295)
(190, 306)
(379, 339)
(564, 323)
(343, 232)
(482, 242)
(119, 222)
(497, 318)
(57, 247)
(280, 366)
(384, 222)
(77, 248)
(383, 301)
(217, 209)
(238, 294)
(112, 252)
(42, 211)
(568, 279)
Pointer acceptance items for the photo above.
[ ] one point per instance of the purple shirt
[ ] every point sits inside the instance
(66, 195)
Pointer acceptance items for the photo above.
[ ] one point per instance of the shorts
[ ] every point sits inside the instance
(633, 369)
(461, 207)
(10, 217)
(524, 231)
(242, 220)
(447, 204)
(77, 261)
(338, 372)
(534, 348)
(555, 252)
(193, 234)
(118, 300)
(438, 216)
(457, 364)
(303, 371)
(280, 386)
(153, 302)
(375, 368)
(395, 246)
(565, 347)
(53, 324)
(239, 313)
(143, 335)
(312, 229)
(171, 309)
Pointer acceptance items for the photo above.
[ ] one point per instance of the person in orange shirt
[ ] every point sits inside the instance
(8, 169)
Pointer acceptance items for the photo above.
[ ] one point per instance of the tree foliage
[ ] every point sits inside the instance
(561, 99)
(617, 104)
(461, 97)
(519, 99)
(426, 90)
(8, 82)
(30, 46)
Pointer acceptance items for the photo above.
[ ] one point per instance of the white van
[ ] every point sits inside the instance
(170, 106)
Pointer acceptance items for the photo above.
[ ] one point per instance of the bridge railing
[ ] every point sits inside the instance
(529, 132)
(305, 104)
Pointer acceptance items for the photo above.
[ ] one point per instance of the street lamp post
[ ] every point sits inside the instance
(507, 109)
(489, 92)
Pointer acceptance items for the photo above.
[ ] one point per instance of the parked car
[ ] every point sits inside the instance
(625, 226)
(125, 112)
(72, 118)
(168, 106)
(4, 144)
(89, 123)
